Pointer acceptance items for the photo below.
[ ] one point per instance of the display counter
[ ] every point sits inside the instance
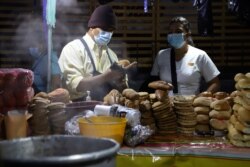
(184, 151)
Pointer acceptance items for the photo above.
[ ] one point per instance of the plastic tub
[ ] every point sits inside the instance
(58, 150)
(103, 126)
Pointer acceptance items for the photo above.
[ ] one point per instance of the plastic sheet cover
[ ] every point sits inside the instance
(210, 152)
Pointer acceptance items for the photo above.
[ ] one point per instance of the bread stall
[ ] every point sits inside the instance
(146, 128)
(211, 132)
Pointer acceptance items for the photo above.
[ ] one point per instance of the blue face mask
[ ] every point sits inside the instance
(176, 40)
(103, 38)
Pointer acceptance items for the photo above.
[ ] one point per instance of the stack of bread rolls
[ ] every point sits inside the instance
(162, 108)
(239, 126)
(145, 107)
(131, 98)
(186, 117)
(202, 108)
(39, 123)
(219, 115)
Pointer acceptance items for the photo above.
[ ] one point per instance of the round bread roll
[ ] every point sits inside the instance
(203, 101)
(202, 110)
(230, 100)
(241, 101)
(220, 114)
(202, 128)
(130, 94)
(220, 105)
(202, 119)
(112, 97)
(143, 95)
(234, 93)
(161, 95)
(244, 114)
(237, 87)
(220, 95)
(123, 62)
(239, 76)
(42, 95)
(244, 83)
(218, 124)
(234, 133)
(247, 75)
(240, 127)
(245, 93)
(236, 107)
(206, 94)
(145, 106)
(162, 85)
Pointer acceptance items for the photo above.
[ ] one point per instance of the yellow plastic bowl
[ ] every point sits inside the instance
(103, 126)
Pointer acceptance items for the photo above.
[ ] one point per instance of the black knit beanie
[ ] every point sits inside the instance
(103, 17)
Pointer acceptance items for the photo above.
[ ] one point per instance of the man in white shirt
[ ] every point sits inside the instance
(88, 63)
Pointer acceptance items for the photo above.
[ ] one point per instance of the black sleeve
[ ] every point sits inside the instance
(144, 87)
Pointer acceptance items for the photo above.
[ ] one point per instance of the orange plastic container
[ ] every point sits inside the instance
(103, 127)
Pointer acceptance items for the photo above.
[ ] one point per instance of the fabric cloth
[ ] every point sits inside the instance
(241, 8)
(205, 16)
(190, 69)
(40, 68)
(103, 17)
(76, 64)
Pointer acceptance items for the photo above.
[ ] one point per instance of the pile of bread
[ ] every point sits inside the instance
(45, 108)
(186, 117)
(206, 113)
(239, 125)
(156, 108)
(213, 112)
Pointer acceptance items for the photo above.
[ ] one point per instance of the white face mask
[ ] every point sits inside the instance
(103, 38)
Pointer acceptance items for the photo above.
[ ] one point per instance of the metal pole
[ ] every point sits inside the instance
(50, 48)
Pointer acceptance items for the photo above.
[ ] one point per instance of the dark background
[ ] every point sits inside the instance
(139, 36)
